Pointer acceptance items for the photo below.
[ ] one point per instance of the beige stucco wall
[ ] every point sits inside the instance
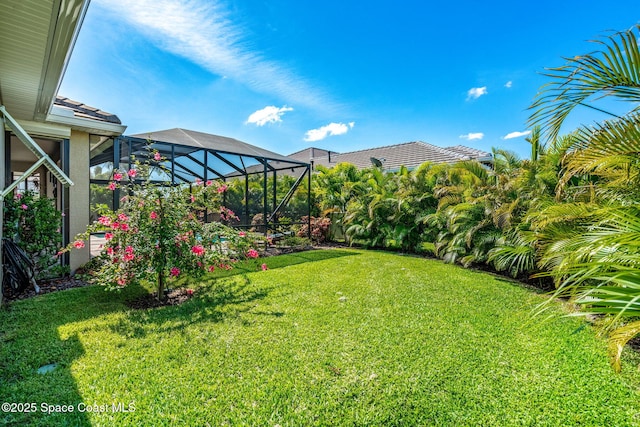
(78, 194)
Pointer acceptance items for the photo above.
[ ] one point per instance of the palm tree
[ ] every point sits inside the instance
(596, 257)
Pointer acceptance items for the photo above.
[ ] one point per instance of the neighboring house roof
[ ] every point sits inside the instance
(410, 155)
(84, 111)
(474, 153)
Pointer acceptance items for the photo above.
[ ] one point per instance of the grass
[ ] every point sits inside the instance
(331, 337)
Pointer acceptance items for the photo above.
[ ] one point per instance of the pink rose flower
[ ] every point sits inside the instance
(242, 234)
(117, 176)
(252, 253)
(197, 250)
(189, 292)
(79, 244)
(112, 186)
(108, 236)
(25, 207)
(175, 271)
(153, 215)
(157, 157)
(132, 173)
(264, 267)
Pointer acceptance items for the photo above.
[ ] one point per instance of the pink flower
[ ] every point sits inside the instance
(117, 176)
(19, 196)
(153, 215)
(128, 257)
(189, 292)
(197, 250)
(108, 236)
(104, 220)
(175, 271)
(212, 268)
(242, 234)
(124, 227)
(222, 189)
(122, 281)
(78, 244)
(112, 186)
(193, 198)
(264, 267)
(252, 253)
(123, 217)
(25, 207)
(157, 157)
(110, 250)
(132, 173)
(209, 182)
(198, 181)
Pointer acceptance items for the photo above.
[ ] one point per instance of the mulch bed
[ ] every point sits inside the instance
(46, 287)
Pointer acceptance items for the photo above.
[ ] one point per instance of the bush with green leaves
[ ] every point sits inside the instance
(34, 224)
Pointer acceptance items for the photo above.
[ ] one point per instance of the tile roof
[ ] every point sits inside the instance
(85, 111)
(409, 154)
(468, 151)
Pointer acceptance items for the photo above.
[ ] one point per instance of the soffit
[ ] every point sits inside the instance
(36, 38)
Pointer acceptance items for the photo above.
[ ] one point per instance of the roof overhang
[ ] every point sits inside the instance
(36, 40)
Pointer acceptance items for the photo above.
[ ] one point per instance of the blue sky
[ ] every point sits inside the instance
(342, 75)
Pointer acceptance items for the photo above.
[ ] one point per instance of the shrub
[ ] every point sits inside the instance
(319, 229)
(34, 224)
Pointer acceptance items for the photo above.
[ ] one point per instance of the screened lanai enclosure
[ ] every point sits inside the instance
(268, 192)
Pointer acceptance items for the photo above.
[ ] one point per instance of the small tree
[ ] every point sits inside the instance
(159, 231)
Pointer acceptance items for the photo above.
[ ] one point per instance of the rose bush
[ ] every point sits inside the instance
(158, 233)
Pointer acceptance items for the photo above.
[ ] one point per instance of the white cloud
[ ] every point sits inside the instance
(471, 136)
(203, 32)
(516, 134)
(331, 129)
(476, 92)
(508, 84)
(269, 114)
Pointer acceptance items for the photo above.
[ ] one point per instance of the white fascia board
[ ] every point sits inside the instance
(90, 126)
(66, 21)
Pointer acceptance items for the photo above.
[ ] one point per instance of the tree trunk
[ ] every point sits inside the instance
(160, 285)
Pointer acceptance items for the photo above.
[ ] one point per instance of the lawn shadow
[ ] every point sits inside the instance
(30, 336)
(35, 364)
(215, 300)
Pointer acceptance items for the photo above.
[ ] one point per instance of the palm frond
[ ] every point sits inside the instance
(613, 71)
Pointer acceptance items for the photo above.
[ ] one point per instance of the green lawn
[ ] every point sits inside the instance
(334, 337)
